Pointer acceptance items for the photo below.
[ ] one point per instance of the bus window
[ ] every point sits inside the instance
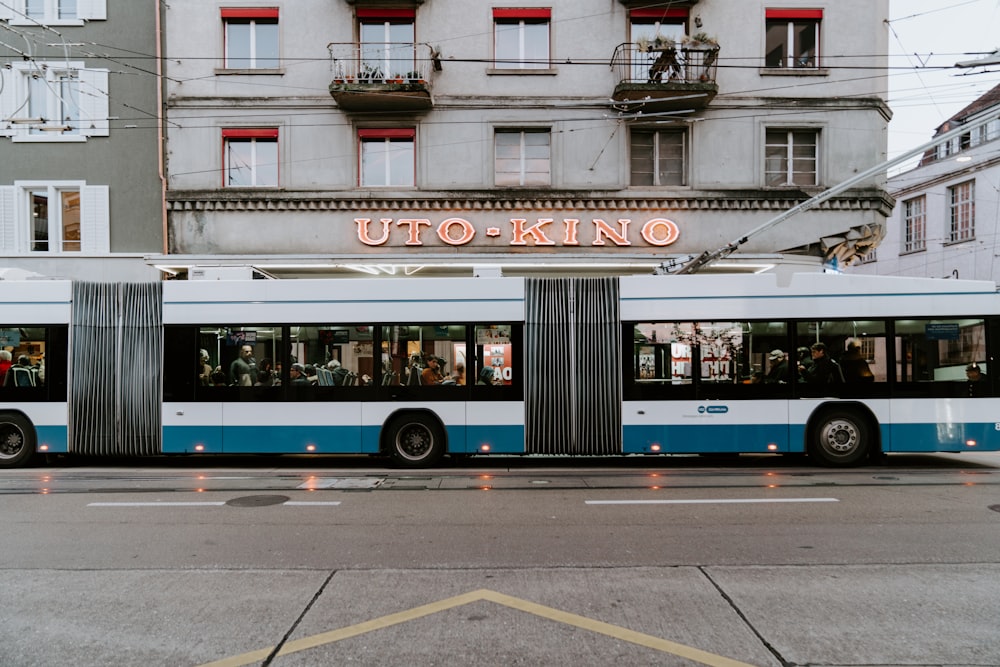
(334, 355)
(22, 357)
(663, 352)
(424, 355)
(859, 348)
(495, 361)
(238, 356)
(938, 350)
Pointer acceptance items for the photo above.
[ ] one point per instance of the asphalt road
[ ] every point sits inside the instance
(681, 561)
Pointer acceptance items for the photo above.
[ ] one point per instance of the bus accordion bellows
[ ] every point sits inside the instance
(839, 367)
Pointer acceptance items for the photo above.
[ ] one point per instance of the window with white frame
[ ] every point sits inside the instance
(962, 206)
(53, 12)
(387, 44)
(790, 157)
(658, 157)
(251, 37)
(915, 224)
(792, 38)
(55, 101)
(521, 37)
(250, 158)
(388, 157)
(523, 157)
(54, 217)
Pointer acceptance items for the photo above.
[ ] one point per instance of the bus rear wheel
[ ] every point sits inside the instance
(841, 438)
(415, 440)
(17, 440)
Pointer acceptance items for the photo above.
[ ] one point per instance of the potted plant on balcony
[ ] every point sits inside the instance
(700, 40)
(370, 73)
(396, 78)
(656, 43)
(414, 76)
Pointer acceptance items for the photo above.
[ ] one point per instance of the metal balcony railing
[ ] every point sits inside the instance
(377, 62)
(665, 64)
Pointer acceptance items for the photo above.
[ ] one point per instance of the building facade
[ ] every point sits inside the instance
(81, 193)
(578, 136)
(946, 220)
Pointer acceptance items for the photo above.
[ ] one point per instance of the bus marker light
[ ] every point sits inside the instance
(970, 443)
(199, 448)
(654, 448)
(43, 448)
(310, 448)
(772, 447)
(484, 448)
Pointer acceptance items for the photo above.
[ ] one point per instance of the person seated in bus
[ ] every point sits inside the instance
(777, 373)
(458, 375)
(298, 376)
(218, 378)
(824, 369)
(5, 364)
(486, 375)
(977, 381)
(853, 364)
(340, 374)
(23, 374)
(204, 368)
(804, 360)
(433, 373)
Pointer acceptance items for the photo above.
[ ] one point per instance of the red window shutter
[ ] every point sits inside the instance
(522, 13)
(387, 133)
(249, 13)
(250, 133)
(794, 13)
(676, 13)
(367, 13)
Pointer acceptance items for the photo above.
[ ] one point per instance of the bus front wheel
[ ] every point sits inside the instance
(415, 440)
(17, 440)
(841, 438)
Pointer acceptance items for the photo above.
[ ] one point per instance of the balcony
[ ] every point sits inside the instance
(665, 78)
(379, 77)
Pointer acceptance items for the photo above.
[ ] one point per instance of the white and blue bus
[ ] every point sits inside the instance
(419, 369)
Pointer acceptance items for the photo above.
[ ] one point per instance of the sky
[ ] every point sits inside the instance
(926, 38)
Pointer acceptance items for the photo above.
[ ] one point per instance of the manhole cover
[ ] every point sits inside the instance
(257, 501)
(995, 508)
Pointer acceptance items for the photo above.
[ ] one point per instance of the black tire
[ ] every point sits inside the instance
(17, 441)
(415, 440)
(841, 438)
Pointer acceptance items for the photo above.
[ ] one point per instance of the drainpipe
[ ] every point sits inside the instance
(160, 154)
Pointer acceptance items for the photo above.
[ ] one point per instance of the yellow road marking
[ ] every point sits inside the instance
(582, 622)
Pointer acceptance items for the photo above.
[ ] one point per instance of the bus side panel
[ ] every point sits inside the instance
(687, 427)
(945, 424)
(190, 425)
(494, 428)
(376, 414)
(49, 420)
(291, 428)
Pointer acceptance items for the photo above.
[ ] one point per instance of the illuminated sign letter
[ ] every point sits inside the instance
(602, 229)
(535, 231)
(571, 225)
(414, 224)
(363, 231)
(468, 231)
(660, 232)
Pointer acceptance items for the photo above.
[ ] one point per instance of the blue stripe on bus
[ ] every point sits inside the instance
(704, 438)
(324, 439)
(941, 437)
(55, 438)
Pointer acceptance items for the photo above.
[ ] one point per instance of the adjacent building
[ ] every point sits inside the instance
(946, 220)
(81, 193)
(439, 137)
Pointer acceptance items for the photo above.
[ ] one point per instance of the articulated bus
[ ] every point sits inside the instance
(419, 369)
